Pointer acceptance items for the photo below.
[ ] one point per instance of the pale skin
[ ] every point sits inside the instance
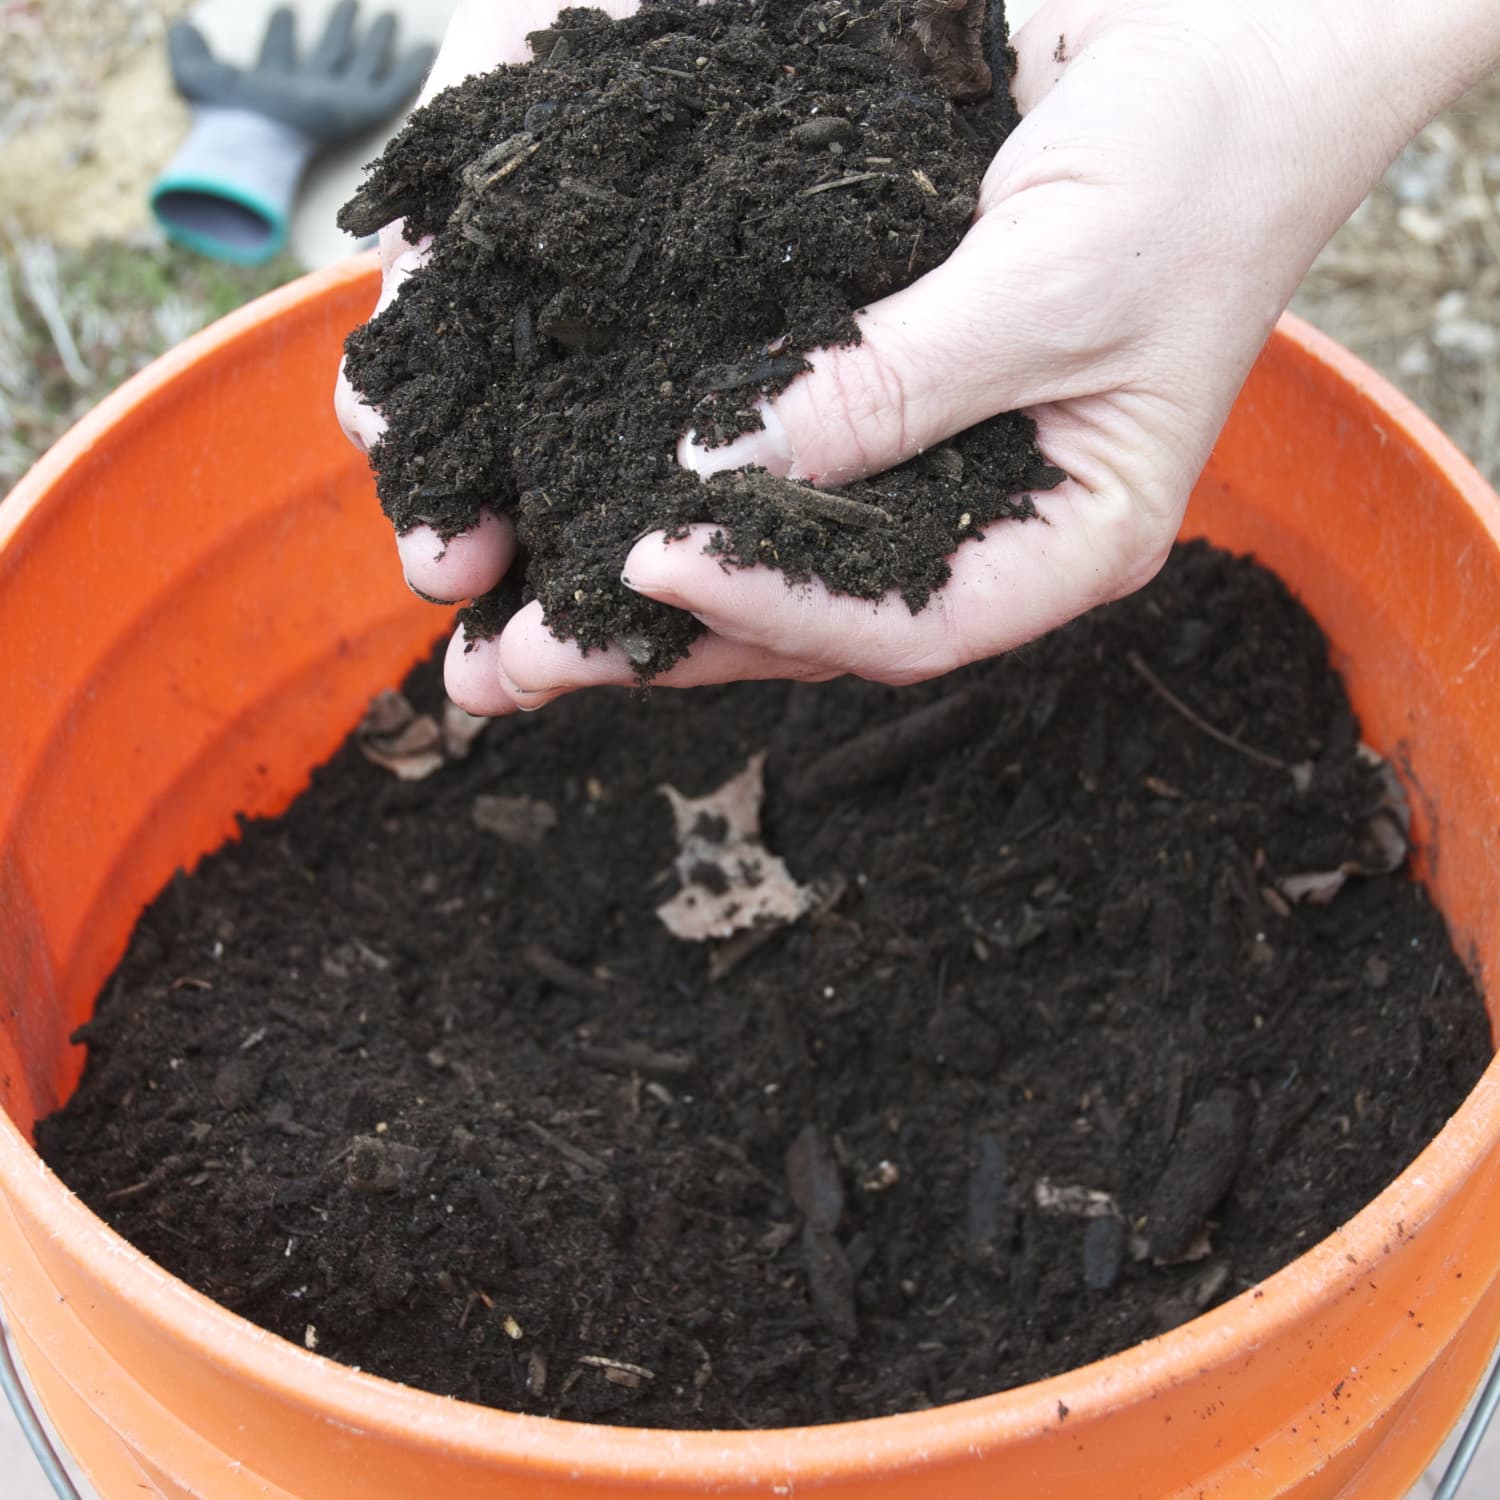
(1178, 166)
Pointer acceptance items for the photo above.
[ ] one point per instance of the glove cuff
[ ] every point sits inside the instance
(229, 190)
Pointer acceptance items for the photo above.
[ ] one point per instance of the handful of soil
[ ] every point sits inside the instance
(639, 234)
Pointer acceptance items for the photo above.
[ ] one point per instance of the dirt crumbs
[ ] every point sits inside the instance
(637, 235)
(1090, 1022)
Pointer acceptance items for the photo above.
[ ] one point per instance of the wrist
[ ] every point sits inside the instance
(1358, 79)
(1388, 67)
(1429, 52)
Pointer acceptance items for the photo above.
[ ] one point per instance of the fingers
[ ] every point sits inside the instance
(278, 48)
(1044, 46)
(195, 71)
(472, 677)
(485, 35)
(462, 567)
(362, 424)
(990, 330)
(535, 667)
(1022, 580)
(337, 41)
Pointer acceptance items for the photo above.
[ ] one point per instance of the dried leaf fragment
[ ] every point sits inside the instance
(1082, 1202)
(522, 821)
(394, 736)
(1383, 843)
(460, 730)
(730, 880)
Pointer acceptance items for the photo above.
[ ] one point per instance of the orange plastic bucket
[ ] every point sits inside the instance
(197, 597)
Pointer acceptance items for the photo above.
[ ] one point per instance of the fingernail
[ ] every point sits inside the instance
(517, 693)
(768, 448)
(647, 586)
(425, 598)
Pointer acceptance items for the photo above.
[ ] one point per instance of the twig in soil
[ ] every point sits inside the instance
(565, 976)
(741, 1158)
(1157, 686)
(729, 954)
(566, 1149)
(500, 161)
(158, 1175)
(887, 749)
(580, 188)
(618, 1371)
(733, 951)
(852, 180)
(821, 504)
(720, 379)
(233, 1298)
(636, 1057)
(482, 174)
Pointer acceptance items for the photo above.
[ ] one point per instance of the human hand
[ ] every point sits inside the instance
(1179, 165)
(481, 36)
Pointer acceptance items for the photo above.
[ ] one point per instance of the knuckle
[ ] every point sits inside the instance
(864, 396)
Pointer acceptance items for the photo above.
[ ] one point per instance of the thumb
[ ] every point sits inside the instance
(983, 333)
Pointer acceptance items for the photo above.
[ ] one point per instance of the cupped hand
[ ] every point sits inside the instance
(482, 35)
(1178, 166)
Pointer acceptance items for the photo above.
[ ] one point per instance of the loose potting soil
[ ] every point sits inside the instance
(639, 234)
(416, 1076)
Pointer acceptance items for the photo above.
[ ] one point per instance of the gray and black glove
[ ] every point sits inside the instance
(229, 191)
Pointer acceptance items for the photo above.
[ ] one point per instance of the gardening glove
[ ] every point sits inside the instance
(229, 191)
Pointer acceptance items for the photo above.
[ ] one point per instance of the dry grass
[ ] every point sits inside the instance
(78, 318)
(75, 323)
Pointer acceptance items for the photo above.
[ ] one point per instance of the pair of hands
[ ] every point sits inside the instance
(1178, 165)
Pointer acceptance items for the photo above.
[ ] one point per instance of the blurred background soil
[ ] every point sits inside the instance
(89, 292)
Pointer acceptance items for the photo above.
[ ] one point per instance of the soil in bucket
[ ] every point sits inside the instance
(638, 235)
(1099, 1011)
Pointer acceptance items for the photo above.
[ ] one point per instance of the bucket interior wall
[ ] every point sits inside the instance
(209, 598)
(194, 620)
(198, 596)
(1345, 490)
